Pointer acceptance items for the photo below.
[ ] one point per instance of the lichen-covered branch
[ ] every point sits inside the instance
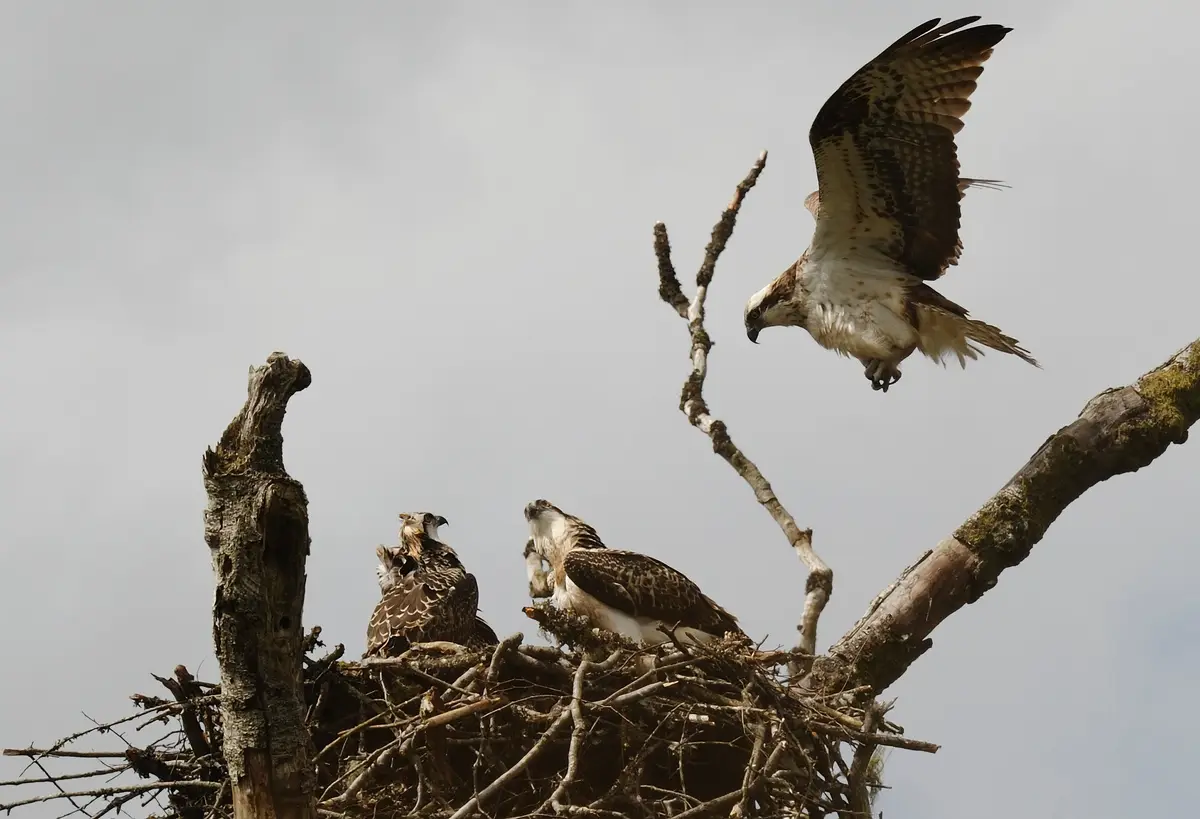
(1120, 430)
(256, 526)
(819, 586)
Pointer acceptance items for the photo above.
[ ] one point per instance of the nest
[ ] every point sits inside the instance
(594, 727)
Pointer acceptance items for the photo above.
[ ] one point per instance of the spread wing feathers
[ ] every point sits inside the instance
(642, 586)
(812, 202)
(944, 328)
(422, 608)
(884, 147)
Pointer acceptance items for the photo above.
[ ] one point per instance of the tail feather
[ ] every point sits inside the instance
(944, 332)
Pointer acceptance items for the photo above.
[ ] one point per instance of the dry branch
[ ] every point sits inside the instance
(256, 526)
(1120, 430)
(819, 585)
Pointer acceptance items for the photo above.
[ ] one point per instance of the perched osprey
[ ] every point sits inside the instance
(395, 561)
(887, 211)
(427, 594)
(631, 594)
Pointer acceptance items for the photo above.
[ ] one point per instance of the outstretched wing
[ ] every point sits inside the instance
(884, 147)
(812, 202)
(423, 608)
(640, 585)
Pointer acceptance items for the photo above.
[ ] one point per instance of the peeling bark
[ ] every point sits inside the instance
(1120, 430)
(256, 526)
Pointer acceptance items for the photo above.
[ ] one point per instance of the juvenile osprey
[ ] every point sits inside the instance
(427, 594)
(395, 561)
(887, 211)
(629, 593)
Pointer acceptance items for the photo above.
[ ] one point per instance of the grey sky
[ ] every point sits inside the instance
(448, 218)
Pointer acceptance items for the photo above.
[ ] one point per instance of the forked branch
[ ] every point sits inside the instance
(819, 586)
(1120, 430)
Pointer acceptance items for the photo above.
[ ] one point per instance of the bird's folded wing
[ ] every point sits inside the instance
(642, 586)
(405, 609)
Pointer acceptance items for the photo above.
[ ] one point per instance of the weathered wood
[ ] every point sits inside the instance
(1120, 430)
(256, 526)
(819, 586)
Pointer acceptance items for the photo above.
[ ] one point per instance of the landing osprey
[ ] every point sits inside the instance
(631, 594)
(888, 209)
(427, 594)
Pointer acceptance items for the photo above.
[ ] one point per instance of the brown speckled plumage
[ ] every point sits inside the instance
(643, 586)
(899, 113)
(431, 597)
(888, 210)
(636, 585)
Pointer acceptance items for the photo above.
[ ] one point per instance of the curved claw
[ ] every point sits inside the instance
(881, 374)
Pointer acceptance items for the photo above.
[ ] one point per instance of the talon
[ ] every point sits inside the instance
(882, 374)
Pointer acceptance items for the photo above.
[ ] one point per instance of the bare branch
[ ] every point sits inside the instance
(819, 586)
(472, 805)
(256, 526)
(119, 790)
(857, 781)
(33, 753)
(577, 736)
(1120, 430)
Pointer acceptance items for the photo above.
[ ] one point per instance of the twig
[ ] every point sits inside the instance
(406, 664)
(50, 752)
(577, 735)
(743, 806)
(114, 791)
(472, 805)
(42, 780)
(367, 765)
(506, 645)
(877, 738)
(856, 784)
(381, 759)
(819, 586)
(447, 717)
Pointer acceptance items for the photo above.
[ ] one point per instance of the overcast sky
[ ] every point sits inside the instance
(447, 215)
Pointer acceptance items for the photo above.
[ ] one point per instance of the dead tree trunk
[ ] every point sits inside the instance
(256, 525)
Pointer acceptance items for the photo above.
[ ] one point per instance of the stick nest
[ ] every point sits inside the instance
(593, 727)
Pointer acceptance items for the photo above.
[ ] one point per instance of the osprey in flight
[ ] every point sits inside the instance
(631, 594)
(887, 210)
(427, 594)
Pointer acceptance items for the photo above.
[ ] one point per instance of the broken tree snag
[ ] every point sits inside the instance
(1120, 430)
(256, 526)
(819, 585)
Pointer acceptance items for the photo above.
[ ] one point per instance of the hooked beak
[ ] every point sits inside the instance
(441, 521)
(752, 334)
